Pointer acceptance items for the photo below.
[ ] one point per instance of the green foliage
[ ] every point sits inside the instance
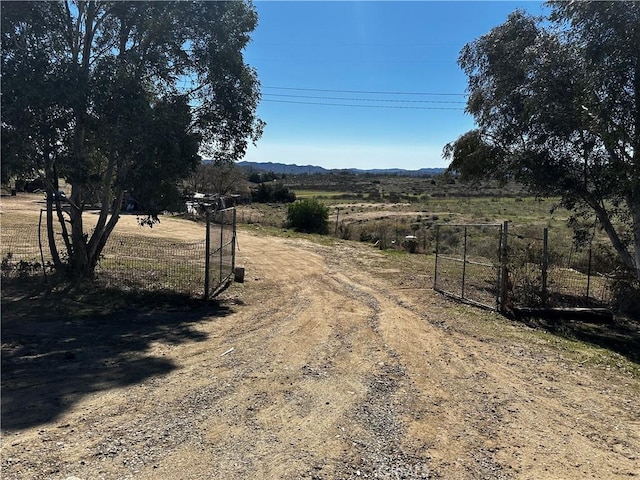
(626, 297)
(261, 177)
(556, 104)
(21, 268)
(269, 192)
(102, 94)
(215, 178)
(308, 216)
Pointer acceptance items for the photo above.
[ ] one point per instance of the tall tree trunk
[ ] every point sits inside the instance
(603, 217)
(53, 248)
(634, 207)
(79, 262)
(101, 241)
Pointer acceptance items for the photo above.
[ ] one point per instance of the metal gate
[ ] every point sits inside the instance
(220, 249)
(468, 263)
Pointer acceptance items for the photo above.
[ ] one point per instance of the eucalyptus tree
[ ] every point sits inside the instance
(555, 102)
(220, 178)
(122, 97)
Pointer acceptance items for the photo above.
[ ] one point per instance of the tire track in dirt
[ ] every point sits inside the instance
(494, 415)
(336, 374)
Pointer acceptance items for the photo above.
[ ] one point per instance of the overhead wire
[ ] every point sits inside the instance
(355, 105)
(395, 100)
(398, 103)
(365, 91)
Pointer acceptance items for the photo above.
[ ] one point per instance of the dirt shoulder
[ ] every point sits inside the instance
(317, 367)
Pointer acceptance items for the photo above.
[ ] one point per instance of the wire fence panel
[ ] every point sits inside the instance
(543, 274)
(19, 251)
(524, 259)
(467, 262)
(133, 261)
(24, 248)
(149, 263)
(221, 234)
(503, 267)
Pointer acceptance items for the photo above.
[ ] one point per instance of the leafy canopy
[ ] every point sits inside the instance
(121, 99)
(555, 101)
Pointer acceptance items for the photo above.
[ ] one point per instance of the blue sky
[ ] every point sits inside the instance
(365, 84)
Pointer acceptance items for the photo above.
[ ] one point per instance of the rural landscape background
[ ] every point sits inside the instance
(334, 359)
(172, 308)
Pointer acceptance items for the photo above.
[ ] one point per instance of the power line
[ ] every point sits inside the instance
(362, 106)
(361, 99)
(366, 92)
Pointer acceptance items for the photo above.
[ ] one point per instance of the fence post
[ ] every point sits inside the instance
(222, 221)
(504, 271)
(545, 265)
(435, 274)
(207, 250)
(589, 271)
(44, 267)
(498, 267)
(233, 244)
(464, 262)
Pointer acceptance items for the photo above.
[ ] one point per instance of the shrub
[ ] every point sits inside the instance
(344, 231)
(309, 216)
(626, 296)
(366, 236)
(267, 193)
(282, 194)
(22, 268)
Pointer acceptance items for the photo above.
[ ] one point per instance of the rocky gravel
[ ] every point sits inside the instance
(317, 367)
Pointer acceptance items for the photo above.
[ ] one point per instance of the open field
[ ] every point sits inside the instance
(414, 207)
(332, 360)
(415, 202)
(393, 188)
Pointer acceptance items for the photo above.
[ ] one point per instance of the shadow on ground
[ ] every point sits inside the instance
(59, 346)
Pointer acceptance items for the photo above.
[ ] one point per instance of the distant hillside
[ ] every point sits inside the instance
(281, 168)
(311, 169)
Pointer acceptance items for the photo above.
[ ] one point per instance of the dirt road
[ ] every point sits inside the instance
(317, 367)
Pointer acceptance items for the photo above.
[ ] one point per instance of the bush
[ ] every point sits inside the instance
(309, 216)
(626, 296)
(282, 194)
(344, 231)
(268, 193)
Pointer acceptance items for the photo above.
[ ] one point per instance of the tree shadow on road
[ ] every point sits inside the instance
(60, 346)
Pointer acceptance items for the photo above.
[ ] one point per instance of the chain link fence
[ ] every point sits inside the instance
(150, 263)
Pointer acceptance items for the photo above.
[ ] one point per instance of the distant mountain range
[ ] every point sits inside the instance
(311, 169)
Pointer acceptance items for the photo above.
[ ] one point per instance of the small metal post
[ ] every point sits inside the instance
(498, 267)
(589, 273)
(545, 264)
(233, 243)
(504, 271)
(222, 221)
(435, 274)
(207, 250)
(464, 262)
